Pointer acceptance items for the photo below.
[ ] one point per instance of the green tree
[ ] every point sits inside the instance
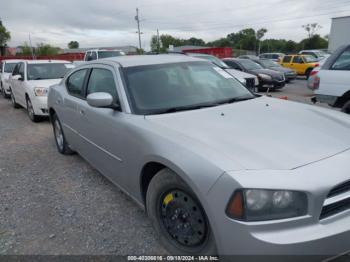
(259, 35)
(73, 44)
(315, 42)
(222, 42)
(46, 50)
(195, 41)
(5, 36)
(25, 49)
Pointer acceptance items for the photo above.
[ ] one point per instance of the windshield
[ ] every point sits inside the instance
(166, 88)
(269, 63)
(250, 65)
(48, 70)
(9, 67)
(310, 59)
(106, 54)
(214, 60)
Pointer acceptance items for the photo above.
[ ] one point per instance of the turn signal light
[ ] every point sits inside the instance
(235, 206)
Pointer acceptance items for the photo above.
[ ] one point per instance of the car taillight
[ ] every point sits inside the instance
(317, 65)
(313, 72)
(316, 82)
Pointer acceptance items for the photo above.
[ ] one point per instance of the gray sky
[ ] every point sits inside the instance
(111, 22)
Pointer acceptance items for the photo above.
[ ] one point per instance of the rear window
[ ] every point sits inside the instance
(287, 59)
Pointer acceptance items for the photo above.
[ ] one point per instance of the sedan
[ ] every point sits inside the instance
(218, 169)
(268, 79)
(289, 74)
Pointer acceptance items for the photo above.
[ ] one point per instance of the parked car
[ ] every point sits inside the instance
(332, 83)
(101, 53)
(289, 74)
(249, 80)
(30, 82)
(267, 78)
(6, 68)
(218, 169)
(318, 54)
(302, 64)
(276, 57)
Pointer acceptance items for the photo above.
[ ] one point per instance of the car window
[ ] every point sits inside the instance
(298, 60)
(75, 83)
(343, 61)
(93, 55)
(287, 59)
(15, 70)
(310, 59)
(102, 80)
(8, 68)
(21, 70)
(232, 64)
(48, 70)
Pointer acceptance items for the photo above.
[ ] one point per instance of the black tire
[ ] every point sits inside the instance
(13, 100)
(60, 140)
(184, 203)
(30, 111)
(308, 72)
(3, 91)
(346, 107)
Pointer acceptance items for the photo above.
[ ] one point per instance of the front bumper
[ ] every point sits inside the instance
(273, 84)
(306, 235)
(290, 76)
(330, 100)
(40, 105)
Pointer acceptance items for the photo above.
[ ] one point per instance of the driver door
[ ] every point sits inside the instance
(18, 88)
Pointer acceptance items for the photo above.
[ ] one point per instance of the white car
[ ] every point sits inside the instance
(6, 68)
(96, 54)
(319, 54)
(30, 82)
(332, 82)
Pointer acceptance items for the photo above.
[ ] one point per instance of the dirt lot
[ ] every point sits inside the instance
(54, 204)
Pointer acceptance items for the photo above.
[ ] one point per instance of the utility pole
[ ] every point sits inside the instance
(31, 47)
(158, 42)
(137, 18)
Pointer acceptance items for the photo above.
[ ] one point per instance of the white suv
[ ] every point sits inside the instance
(30, 82)
(332, 83)
(6, 68)
(101, 53)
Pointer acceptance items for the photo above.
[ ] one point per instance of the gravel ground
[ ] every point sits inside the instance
(54, 204)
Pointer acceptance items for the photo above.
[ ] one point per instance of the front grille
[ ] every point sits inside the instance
(280, 78)
(339, 189)
(337, 201)
(250, 83)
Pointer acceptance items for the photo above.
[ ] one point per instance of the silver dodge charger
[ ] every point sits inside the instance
(218, 169)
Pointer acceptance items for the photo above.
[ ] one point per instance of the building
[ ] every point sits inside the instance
(339, 32)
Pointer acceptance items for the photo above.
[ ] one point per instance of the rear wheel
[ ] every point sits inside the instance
(346, 107)
(13, 100)
(61, 142)
(30, 111)
(178, 217)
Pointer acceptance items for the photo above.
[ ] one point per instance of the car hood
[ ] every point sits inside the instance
(262, 133)
(282, 69)
(44, 82)
(265, 71)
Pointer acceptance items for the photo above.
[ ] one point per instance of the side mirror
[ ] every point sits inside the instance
(100, 99)
(17, 77)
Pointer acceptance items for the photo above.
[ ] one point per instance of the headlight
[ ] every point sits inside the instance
(264, 204)
(265, 77)
(41, 91)
(243, 81)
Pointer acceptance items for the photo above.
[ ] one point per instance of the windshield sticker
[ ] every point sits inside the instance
(222, 72)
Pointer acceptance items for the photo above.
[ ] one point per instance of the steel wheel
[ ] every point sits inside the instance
(58, 135)
(183, 219)
(30, 109)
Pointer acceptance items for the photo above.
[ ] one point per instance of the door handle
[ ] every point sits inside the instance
(58, 101)
(82, 112)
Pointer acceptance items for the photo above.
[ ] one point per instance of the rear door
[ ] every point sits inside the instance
(286, 61)
(298, 64)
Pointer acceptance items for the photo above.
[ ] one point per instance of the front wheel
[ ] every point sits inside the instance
(13, 100)
(30, 111)
(60, 139)
(178, 217)
(346, 108)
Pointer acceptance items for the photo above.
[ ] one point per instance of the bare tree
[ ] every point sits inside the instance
(311, 29)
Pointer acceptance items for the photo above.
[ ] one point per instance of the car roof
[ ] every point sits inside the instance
(13, 60)
(46, 61)
(198, 54)
(140, 60)
(103, 50)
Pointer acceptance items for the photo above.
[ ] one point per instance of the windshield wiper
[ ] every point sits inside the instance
(185, 108)
(235, 99)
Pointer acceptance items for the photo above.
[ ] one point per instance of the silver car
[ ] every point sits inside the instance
(218, 169)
